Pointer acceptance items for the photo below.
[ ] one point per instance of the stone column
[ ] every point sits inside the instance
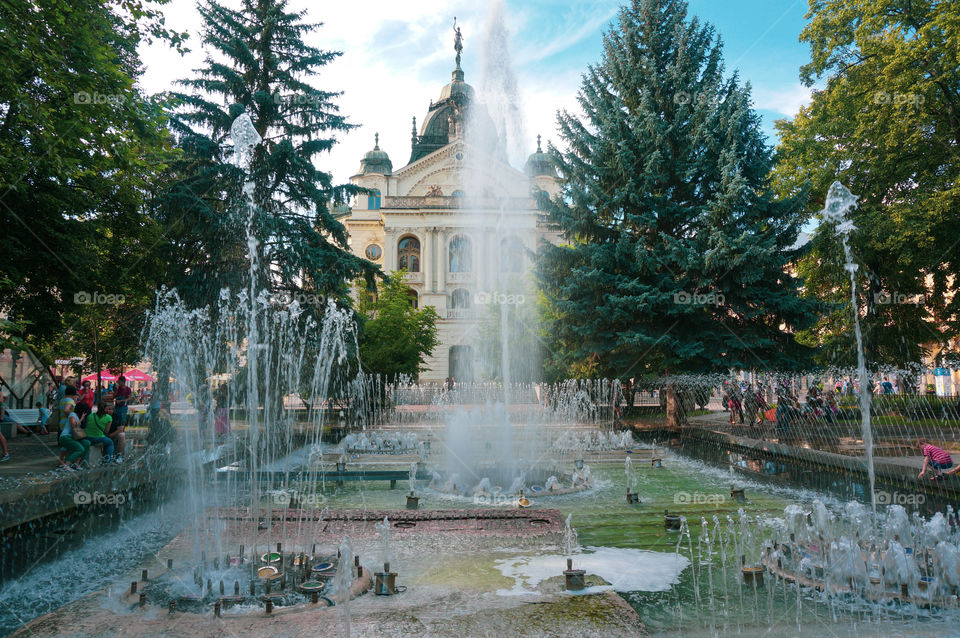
(434, 275)
(442, 260)
(390, 250)
(427, 256)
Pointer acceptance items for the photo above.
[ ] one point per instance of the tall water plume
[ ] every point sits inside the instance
(840, 201)
(501, 234)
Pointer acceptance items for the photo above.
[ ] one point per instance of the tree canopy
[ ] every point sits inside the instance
(261, 66)
(675, 253)
(887, 125)
(396, 338)
(81, 148)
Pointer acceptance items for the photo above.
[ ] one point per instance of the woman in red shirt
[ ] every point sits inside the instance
(85, 395)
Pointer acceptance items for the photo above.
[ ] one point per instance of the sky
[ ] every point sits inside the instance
(397, 55)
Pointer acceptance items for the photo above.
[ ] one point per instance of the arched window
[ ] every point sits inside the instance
(460, 254)
(460, 299)
(511, 254)
(408, 254)
(414, 298)
(373, 200)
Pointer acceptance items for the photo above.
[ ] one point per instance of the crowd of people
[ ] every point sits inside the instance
(747, 402)
(80, 428)
(77, 425)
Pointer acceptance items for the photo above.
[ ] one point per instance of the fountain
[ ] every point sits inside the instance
(504, 440)
(632, 497)
(840, 201)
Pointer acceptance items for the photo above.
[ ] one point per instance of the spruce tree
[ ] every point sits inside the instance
(674, 255)
(261, 66)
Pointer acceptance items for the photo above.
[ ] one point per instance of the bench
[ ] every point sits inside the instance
(27, 417)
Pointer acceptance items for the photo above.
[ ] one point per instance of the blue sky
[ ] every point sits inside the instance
(398, 55)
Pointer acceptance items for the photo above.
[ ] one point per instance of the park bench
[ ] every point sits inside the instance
(27, 417)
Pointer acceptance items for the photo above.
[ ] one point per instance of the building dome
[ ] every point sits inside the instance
(539, 163)
(376, 161)
(457, 88)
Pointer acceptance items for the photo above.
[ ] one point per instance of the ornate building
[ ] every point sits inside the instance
(457, 217)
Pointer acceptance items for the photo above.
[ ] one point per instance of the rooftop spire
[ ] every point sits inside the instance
(376, 141)
(538, 143)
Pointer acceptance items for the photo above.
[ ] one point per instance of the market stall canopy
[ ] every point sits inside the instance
(131, 375)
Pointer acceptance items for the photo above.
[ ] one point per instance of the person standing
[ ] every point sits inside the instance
(85, 395)
(221, 415)
(121, 399)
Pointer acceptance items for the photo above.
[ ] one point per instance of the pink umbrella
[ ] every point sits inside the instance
(137, 375)
(105, 375)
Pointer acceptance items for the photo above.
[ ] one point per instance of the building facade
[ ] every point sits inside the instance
(457, 217)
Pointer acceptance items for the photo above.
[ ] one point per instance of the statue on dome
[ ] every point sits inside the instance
(457, 40)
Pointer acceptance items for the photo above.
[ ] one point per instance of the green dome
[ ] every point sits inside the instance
(376, 161)
(539, 163)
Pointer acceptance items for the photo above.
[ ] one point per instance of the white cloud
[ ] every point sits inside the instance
(396, 58)
(784, 100)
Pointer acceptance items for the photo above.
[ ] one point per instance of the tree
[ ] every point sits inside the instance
(262, 69)
(80, 150)
(396, 338)
(887, 125)
(674, 254)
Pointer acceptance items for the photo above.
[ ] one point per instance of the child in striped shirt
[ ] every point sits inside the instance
(936, 458)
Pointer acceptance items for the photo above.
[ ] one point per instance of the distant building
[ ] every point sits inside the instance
(455, 217)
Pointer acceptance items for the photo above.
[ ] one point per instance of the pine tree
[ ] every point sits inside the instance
(262, 68)
(675, 256)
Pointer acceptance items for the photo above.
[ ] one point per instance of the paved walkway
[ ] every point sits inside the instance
(30, 454)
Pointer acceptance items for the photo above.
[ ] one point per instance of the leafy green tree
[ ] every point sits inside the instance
(396, 338)
(887, 125)
(675, 253)
(261, 66)
(80, 149)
